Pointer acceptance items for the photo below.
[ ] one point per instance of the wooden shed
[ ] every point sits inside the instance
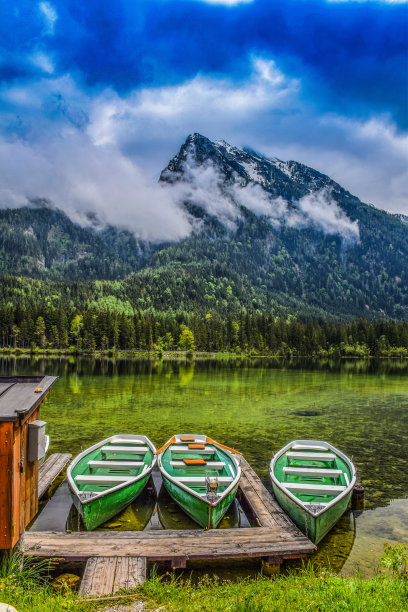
(20, 451)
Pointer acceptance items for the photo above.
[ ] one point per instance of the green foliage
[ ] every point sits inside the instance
(305, 590)
(186, 341)
(395, 558)
(302, 272)
(36, 325)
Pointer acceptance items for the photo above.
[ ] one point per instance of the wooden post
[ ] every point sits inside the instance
(20, 399)
(271, 566)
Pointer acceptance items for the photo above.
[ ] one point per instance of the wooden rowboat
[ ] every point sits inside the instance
(201, 475)
(313, 483)
(109, 475)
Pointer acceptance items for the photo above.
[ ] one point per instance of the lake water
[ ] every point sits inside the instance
(256, 407)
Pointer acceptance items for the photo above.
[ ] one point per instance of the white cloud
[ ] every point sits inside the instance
(43, 61)
(81, 178)
(206, 187)
(319, 209)
(50, 16)
(103, 153)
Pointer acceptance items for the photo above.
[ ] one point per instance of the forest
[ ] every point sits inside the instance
(39, 327)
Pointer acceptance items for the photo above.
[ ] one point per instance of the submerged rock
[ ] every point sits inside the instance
(69, 581)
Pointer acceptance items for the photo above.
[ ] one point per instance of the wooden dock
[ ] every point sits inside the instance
(119, 558)
(50, 470)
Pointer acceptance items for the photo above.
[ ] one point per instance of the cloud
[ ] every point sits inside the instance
(204, 186)
(50, 16)
(96, 151)
(83, 179)
(267, 112)
(320, 210)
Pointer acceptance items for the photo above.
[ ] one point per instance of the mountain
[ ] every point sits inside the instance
(42, 242)
(266, 235)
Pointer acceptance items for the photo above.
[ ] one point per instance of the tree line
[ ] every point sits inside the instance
(42, 327)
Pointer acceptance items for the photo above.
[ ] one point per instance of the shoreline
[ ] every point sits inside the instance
(185, 355)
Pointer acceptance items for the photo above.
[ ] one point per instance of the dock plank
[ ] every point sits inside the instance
(225, 543)
(50, 470)
(106, 575)
(263, 505)
(130, 571)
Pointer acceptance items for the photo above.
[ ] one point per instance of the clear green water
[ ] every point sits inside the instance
(256, 407)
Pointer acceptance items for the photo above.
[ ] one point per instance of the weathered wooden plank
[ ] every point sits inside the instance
(50, 470)
(104, 575)
(264, 506)
(99, 576)
(130, 571)
(191, 545)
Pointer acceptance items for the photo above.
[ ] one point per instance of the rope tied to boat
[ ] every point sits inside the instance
(209, 515)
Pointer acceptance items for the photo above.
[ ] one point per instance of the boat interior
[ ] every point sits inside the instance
(193, 462)
(313, 473)
(118, 461)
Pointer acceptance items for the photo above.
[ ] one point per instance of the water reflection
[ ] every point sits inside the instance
(256, 406)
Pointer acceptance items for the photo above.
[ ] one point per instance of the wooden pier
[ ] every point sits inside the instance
(50, 470)
(116, 559)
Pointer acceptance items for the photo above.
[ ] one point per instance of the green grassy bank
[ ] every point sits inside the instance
(28, 590)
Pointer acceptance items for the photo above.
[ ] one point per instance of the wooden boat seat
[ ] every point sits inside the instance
(304, 471)
(116, 464)
(102, 480)
(207, 450)
(312, 447)
(311, 456)
(125, 441)
(200, 480)
(313, 489)
(133, 450)
(215, 465)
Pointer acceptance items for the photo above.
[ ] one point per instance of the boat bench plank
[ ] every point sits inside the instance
(133, 450)
(311, 456)
(125, 441)
(115, 464)
(313, 489)
(207, 450)
(303, 471)
(85, 479)
(201, 479)
(311, 447)
(211, 464)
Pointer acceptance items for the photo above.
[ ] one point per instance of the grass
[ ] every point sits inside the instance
(26, 585)
(304, 590)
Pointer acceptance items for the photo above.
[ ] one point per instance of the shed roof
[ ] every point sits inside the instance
(19, 395)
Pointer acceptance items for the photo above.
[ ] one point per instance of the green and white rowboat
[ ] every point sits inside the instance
(201, 475)
(109, 475)
(313, 483)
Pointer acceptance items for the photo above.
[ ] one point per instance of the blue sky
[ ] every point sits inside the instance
(95, 88)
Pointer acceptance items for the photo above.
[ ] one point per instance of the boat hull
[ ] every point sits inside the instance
(97, 511)
(199, 509)
(314, 527)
